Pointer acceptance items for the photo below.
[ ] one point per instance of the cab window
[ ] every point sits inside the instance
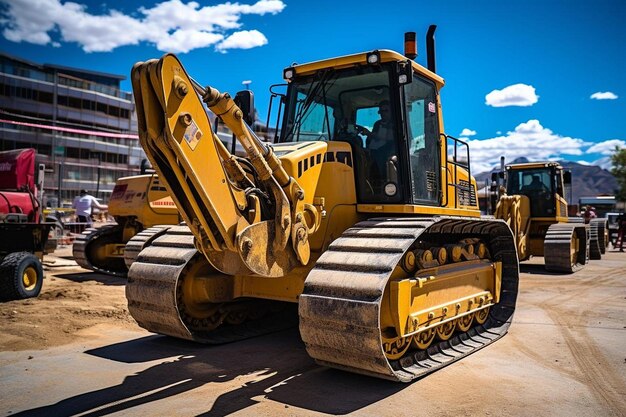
(420, 101)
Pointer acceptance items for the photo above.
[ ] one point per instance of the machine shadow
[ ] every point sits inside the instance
(536, 269)
(274, 366)
(93, 276)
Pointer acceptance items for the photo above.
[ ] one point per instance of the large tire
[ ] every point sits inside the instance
(55, 234)
(21, 276)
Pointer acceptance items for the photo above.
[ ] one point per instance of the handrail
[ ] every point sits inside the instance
(455, 162)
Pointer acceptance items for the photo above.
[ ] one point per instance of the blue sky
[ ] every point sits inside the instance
(520, 75)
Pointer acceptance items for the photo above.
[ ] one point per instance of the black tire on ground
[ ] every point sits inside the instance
(21, 276)
(57, 230)
(54, 236)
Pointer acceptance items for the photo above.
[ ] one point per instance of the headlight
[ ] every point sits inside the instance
(288, 73)
(373, 58)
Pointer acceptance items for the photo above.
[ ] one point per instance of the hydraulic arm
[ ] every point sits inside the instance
(247, 214)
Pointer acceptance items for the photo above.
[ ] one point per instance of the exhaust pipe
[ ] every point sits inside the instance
(430, 48)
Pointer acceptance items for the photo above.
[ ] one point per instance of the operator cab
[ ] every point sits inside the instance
(392, 128)
(540, 184)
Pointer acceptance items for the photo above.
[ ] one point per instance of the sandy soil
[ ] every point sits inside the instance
(72, 299)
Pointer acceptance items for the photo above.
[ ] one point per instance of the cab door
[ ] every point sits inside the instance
(422, 133)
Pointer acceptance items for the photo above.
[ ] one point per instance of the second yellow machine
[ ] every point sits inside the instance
(371, 227)
(536, 210)
(138, 203)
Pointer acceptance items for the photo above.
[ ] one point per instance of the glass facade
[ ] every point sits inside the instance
(81, 124)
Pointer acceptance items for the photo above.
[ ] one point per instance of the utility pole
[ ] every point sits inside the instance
(53, 145)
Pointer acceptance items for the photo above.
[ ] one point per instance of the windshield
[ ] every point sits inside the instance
(331, 103)
(352, 105)
(529, 181)
(538, 185)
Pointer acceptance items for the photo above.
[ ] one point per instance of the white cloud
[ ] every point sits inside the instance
(245, 39)
(607, 147)
(607, 95)
(514, 95)
(467, 132)
(182, 41)
(530, 140)
(172, 26)
(604, 162)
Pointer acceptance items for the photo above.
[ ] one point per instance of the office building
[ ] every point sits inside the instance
(82, 125)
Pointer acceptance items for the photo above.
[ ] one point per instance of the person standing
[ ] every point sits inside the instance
(590, 213)
(84, 204)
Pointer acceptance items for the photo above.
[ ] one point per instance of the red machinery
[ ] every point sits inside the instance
(23, 236)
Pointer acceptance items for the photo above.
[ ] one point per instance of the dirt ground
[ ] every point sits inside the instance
(76, 351)
(72, 299)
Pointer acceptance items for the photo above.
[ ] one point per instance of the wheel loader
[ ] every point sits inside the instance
(536, 211)
(381, 247)
(137, 203)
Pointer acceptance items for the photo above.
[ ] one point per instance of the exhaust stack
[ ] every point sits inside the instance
(430, 48)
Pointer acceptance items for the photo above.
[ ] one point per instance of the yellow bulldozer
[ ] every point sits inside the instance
(140, 204)
(371, 228)
(535, 208)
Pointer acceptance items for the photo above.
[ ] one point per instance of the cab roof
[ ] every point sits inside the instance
(347, 61)
(531, 165)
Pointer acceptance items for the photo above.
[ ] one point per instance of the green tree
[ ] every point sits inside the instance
(619, 170)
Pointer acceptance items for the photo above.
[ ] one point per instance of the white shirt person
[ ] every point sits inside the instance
(84, 203)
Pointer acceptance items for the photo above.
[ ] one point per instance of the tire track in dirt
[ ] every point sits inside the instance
(597, 373)
(537, 357)
(593, 369)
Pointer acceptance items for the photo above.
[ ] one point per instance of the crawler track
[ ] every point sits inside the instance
(565, 247)
(595, 252)
(87, 254)
(138, 242)
(340, 307)
(602, 232)
(154, 287)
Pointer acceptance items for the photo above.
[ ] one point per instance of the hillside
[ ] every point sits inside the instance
(587, 180)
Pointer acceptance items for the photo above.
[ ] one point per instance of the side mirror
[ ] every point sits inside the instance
(245, 101)
(567, 177)
(145, 167)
